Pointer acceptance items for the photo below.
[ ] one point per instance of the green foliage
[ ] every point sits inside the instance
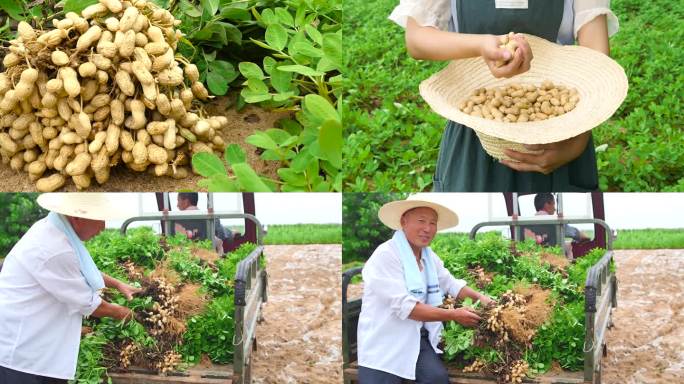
(642, 136)
(139, 245)
(649, 239)
(304, 234)
(90, 356)
(211, 333)
(18, 211)
(561, 337)
(217, 180)
(392, 137)
(362, 231)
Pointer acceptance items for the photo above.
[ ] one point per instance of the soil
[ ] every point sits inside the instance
(646, 343)
(241, 124)
(300, 339)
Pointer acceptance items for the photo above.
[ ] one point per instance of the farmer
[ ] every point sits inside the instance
(404, 282)
(187, 201)
(48, 283)
(457, 29)
(545, 205)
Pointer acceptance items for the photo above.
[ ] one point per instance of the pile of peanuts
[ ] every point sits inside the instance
(519, 103)
(103, 88)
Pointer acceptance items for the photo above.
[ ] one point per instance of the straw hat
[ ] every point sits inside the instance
(600, 81)
(94, 206)
(390, 214)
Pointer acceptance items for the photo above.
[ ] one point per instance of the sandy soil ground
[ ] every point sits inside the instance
(242, 124)
(646, 344)
(300, 339)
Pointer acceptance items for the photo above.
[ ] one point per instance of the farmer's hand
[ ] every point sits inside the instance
(552, 155)
(491, 53)
(486, 300)
(127, 290)
(465, 317)
(122, 313)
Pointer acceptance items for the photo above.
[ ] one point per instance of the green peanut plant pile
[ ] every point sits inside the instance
(103, 88)
(538, 317)
(183, 315)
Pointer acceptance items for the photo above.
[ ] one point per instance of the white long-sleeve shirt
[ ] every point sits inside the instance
(43, 298)
(387, 339)
(576, 13)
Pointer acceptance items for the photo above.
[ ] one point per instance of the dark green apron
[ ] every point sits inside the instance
(463, 165)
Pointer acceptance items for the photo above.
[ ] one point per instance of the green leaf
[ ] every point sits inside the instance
(207, 164)
(320, 109)
(222, 183)
(300, 14)
(330, 141)
(292, 177)
(69, 5)
(192, 11)
(313, 33)
(302, 70)
(281, 80)
(282, 96)
(276, 36)
(269, 17)
(262, 140)
(216, 84)
(232, 33)
(325, 65)
(269, 64)
(302, 160)
(210, 6)
(234, 154)
(250, 70)
(280, 136)
(256, 85)
(306, 48)
(262, 44)
(284, 16)
(332, 47)
(232, 13)
(252, 97)
(248, 179)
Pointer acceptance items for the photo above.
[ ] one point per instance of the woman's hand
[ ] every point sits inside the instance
(127, 290)
(465, 317)
(551, 157)
(519, 63)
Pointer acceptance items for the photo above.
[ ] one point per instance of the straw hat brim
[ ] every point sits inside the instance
(600, 81)
(94, 206)
(390, 213)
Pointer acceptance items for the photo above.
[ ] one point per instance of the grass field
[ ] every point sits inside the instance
(392, 137)
(304, 234)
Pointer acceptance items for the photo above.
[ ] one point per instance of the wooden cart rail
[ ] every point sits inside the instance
(600, 297)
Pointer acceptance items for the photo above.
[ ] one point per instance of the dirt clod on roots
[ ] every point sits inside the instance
(509, 327)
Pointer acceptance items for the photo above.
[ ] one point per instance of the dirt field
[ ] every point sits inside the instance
(242, 124)
(300, 340)
(646, 344)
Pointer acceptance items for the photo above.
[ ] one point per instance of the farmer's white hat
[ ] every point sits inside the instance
(94, 206)
(600, 81)
(390, 214)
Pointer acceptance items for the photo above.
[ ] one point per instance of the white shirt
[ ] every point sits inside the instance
(387, 339)
(43, 298)
(576, 13)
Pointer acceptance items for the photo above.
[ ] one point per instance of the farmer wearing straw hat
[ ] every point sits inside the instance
(48, 283)
(457, 29)
(404, 282)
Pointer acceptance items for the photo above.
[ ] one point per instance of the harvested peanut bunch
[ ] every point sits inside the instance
(517, 372)
(101, 89)
(519, 103)
(449, 302)
(477, 366)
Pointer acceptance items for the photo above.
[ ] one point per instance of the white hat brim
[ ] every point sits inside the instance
(600, 81)
(93, 206)
(390, 214)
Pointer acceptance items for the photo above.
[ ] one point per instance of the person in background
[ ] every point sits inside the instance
(545, 204)
(48, 283)
(187, 201)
